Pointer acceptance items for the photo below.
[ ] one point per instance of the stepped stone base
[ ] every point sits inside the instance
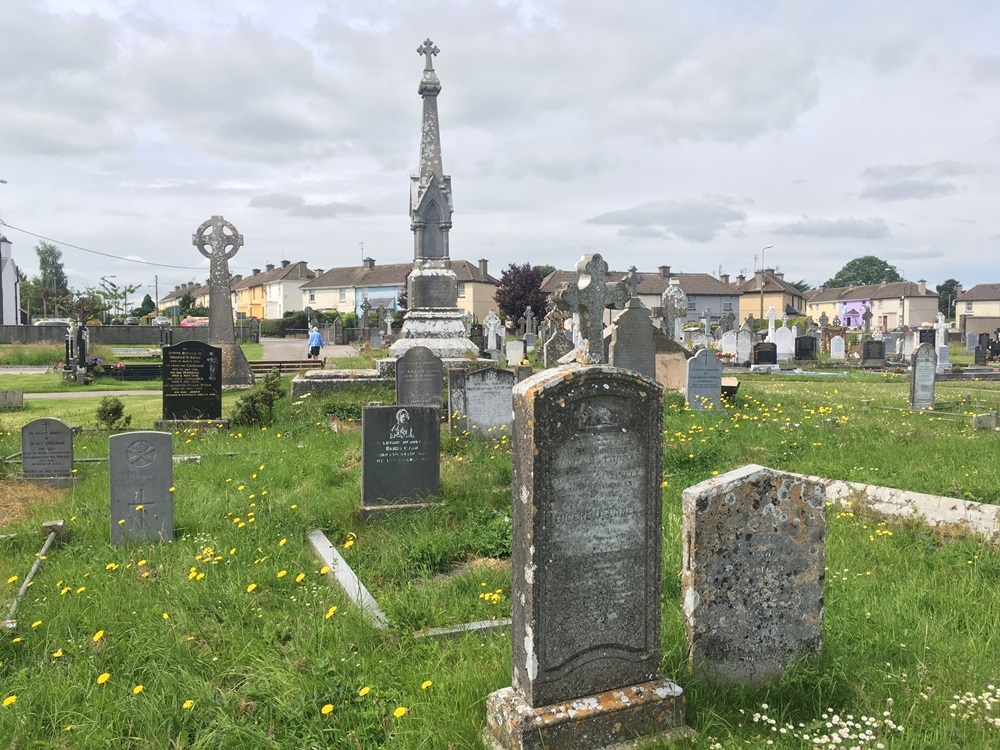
(440, 330)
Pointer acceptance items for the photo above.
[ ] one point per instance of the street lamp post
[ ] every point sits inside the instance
(762, 266)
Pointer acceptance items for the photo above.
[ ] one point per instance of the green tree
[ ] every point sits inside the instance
(947, 296)
(520, 288)
(546, 270)
(802, 285)
(89, 306)
(185, 303)
(864, 270)
(50, 267)
(145, 308)
(48, 292)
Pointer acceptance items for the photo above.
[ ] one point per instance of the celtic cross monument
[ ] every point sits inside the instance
(433, 319)
(215, 244)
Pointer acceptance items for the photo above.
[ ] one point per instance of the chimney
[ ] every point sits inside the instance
(958, 291)
(318, 272)
(284, 263)
(665, 272)
(724, 278)
(255, 271)
(177, 287)
(740, 279)
(779, 275)
(238, 278)
(483, 263)
(368, 264)
(758, 277)
(921, 286)
(885, 280)
(269, 266)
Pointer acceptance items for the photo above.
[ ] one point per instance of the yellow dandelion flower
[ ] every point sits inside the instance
(121, 522)
(348, 544)
(400, 711)
(12, 579)
(139, 507)
(330, 613)
(36, 623)
(142, 562)
(97, 636)
(166, 616)
(9, 700)
(300, 577)
(251, 587)
(172, 489)
(57, 654)
(293, 506)
(240, 488)
(232, 551)
(327, 709)
(102, 678)
(425, 684)
(81, 589)
(137, 689)
(324, 570)
(188, 704)
(364, 691)
(282, 573)
(283, 542)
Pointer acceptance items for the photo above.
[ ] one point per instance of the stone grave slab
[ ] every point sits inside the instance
(555, 347)
(765, 353)
(142, 469)
(586, 564)
(728, 342)
(805, 348)
(192, 381)
(744, 345)
(11, 400)
(632, 345)
(480, 401)
(838, 348)
(872, 353)
(47, 451)
(704, 381)
(400, 456)
(522, 372)
(514, 351)
(419, 378)
(754, 555)
(981, 356)
(923, 366)
(971, 341)
(784, 338)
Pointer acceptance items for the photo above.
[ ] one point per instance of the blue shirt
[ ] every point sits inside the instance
(315, 339)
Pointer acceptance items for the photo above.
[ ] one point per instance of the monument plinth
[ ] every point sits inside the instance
(433, 319)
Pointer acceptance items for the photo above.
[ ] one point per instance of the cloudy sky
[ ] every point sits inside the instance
(685, 133)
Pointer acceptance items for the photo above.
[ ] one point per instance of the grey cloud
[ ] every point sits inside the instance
(933, 170)
(895, 182)
(908, 190)
(296, 205)
(868, 229)
(695, 220)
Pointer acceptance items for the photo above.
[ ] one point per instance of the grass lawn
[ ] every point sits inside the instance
(232, 636)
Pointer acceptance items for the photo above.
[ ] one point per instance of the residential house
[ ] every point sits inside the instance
(10, 286)
(169, 303)
(704, 292)
(978, 310)
(272, 292)
(767, 288)
(893, 304)
(344, 289)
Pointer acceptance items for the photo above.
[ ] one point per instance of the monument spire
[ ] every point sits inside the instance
(430, 133)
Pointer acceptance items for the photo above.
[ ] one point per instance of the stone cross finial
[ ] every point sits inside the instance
(589, 298)
(218, 239)
(213, 242)
(428, 49)
(771, 314)
(632, 280)
(529, 320)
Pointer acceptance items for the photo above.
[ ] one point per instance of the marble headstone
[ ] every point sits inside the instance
(400, 456)
(754, 556)
(142, 478)
(704, 381)
(514, 351)
(837, 348)
(419, 378)
(480, 401)
(46, 449)
(784, 338)
(923, 365)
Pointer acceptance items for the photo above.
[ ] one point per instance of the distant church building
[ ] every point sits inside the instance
(10, 287)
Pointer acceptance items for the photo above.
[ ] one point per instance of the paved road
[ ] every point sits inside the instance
(295, 349)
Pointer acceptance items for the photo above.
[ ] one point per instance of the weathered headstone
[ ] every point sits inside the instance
(744, 345)
(980, 356)
(375, 340)
(765, 353)
(480, 401)
(588, 299)
(586, 565)
(47, 450)
(704, 381)
(142, 501)
(522, 372)
(555, 348)
(192, 381)
(11, 400)
(838, 348)
(728, 343)
(784, 338)
(338, 331)
(632, 341)
(754, 555)
(923, 365)
(872, 353)
(400, 456)
(514, 351)
(971, 341)
(805, 348)
(419, 378)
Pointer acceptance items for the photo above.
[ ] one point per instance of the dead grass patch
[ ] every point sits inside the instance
(17, 495)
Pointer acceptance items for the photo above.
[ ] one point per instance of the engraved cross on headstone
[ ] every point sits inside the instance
(428, 49)
(589, 298)
(223, 247)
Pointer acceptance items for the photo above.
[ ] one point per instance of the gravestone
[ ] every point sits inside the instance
(926, 336)
(192, 381)
(704, 381)
(872, 353)
(909, 344)
(480, 401)
(514, 351)
(771, 316)
(419, 378)
(47, 451)
(744, 345)
(11, 400)
(981, 356)
(555, 348)
(375, 340)
(338, 331)
(784, 338)
(586, 563)
(522, 372)
(765, 353)
(971, 341)
(805, 348)
(476, 336)
(984, 340)
(944, 359)
(837, 348)
(587, 300)
(632, 341)
(142, 504)
(923, 365)
(754, 555)
(728, 342)
(400, 456)
(493, 327)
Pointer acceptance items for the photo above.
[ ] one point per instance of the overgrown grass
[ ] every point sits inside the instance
(910, 617)
(45, 354)
(53, 382)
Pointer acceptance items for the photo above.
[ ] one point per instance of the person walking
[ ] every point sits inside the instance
(315, 343)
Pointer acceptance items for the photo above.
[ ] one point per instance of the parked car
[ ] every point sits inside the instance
(161, 320)
(131, 321)
(53, 322)
(190, 322)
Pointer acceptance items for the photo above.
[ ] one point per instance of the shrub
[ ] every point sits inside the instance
(111, 414)
(256, 406)
(280, 327)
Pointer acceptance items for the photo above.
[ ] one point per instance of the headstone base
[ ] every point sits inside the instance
(236, 372)
(170, 425)
(766, 369)
(441, 331)
(371, 511)
(614, 719)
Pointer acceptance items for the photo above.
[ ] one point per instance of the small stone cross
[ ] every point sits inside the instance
(632, 280)
(427, 49)
(866, 316)
(589, 298)
(529, 320)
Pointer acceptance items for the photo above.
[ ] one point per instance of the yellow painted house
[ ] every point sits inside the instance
(766, 289)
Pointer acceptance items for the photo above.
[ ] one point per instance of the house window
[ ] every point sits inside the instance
(461, 289)
(880, 304)
(342, 295)
(692, 303)
(727, 303)
(968, 307)
(312, 296)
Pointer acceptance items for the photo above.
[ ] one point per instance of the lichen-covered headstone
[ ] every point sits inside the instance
(754, 556)
(142, 501)
(923, 367)
(481, 402)
(419, 378)
(586, 562)
(47, 450)
(632, 340)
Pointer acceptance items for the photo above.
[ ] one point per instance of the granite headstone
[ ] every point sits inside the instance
(632, 341)
(400, 456)
(46, 449)
(419, 378)
(765, 353)
(805, 348)
(480, 401)
(142, 501)
(923, 365)
(192, 381)
(704, 381)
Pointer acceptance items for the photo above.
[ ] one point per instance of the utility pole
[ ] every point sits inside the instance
(156, 287)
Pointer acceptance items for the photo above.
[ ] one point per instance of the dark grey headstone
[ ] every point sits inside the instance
(587, 537)
(142, 470)
(556, 347)
(805, 348)
(632, 345)
(754, 555)
(522, 372)
(400, 455)
(984, 340)
(375, 340)
(923, 365)
(926, 336)
(481, 401)
(419, 378)
(765, 353)
(872, 351)
(704, 381)
(981, 355)
(192, 381)
(46, 449)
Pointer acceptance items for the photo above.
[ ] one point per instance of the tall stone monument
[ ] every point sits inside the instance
(433, 319)
(213, 242)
